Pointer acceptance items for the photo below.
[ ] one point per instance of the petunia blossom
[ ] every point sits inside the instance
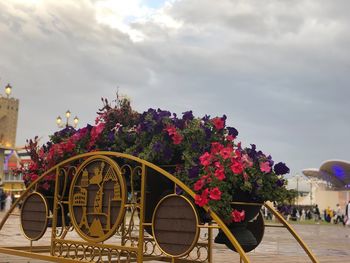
(198, 185)
(200, 200)
(226, 152)
(215, 194)
(220, 174)
(219, 123)
(265, 167)
(177, 138)
(238, 216)
(205, 159)
(236, 167)
(216, 147)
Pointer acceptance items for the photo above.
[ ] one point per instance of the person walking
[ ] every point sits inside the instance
(317, 214)
(347, 213)
(8, 202)
(338, 215)
(2, 199)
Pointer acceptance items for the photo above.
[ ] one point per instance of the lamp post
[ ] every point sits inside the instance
(68, 114)
(310, 192)
(8, 90)
(297, 177)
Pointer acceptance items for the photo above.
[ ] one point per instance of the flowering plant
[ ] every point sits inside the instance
(208, 158)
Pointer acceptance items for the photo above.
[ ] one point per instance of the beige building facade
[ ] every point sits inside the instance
(8, 121)
(8, 128)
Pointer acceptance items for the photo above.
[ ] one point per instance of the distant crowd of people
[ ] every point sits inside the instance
(301, 213)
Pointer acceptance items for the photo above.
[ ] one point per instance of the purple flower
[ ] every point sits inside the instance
(66, 132)
(253, 154)
(157, 147)
(162, 114)
(187, 116)
(111, 136)
(206, 118)
(281, 168)
(167, 153)
(280, 182)
(207, 133)
(251, 151)
(195, 146)
(232, 131)
(146, 126)
(269, 159)
(193, 172)
(179, 123)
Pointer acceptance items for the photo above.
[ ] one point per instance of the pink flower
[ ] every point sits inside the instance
(236, 167)
(245, 176)
(265, 167)
(95, 132)
(218, 165)
(41, 153)
(216, 147)
(198, 185)
(238, 153)
(68, 146)
(237, 216)
(202, 199)
(46, 186)
(220, 174)
(219, 123)
(247, 161)
(79, 134)
(205, 159)
(230, 138)
(171, 130)
(33, 166)
(226, 152)
(215, 194)
(33, 177)
(177, 138)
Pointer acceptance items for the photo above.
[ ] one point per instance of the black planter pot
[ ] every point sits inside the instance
(248, 232)
(49, 195)
(157, 187)
(240, 231)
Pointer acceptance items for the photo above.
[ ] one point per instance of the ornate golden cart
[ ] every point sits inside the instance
(114, 219)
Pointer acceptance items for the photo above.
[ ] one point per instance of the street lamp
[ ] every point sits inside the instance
(310, 192)
(297, 179)
(68, 114)
(8, 89)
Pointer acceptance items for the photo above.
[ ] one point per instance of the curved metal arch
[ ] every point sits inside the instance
(144, 163)
(292, 232)
(56, 169)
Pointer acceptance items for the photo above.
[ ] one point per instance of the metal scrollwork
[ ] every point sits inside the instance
(99, 213)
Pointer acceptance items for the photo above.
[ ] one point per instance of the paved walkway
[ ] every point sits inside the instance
(330, 243)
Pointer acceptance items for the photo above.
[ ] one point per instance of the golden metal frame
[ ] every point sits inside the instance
(134, 242)
(195, 240)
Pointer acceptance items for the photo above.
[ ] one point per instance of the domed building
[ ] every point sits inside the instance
(333, 183)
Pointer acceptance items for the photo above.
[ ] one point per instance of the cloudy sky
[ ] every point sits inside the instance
(278, 69)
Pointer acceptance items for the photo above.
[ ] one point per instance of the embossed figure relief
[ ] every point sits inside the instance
(97, 199)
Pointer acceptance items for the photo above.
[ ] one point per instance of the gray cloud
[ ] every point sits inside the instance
(278, 69)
